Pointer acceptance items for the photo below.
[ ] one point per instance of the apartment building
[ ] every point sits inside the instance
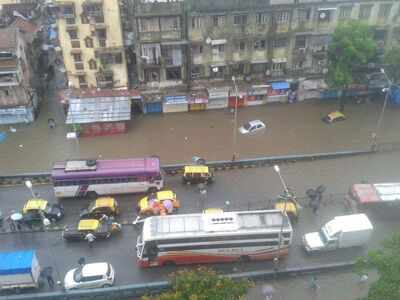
(278, 37)
(160, 42)
(91, 39)
(18, 101)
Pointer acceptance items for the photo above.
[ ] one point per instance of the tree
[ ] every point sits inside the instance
(392, 63)
(203, 284)
(387, 263)
(352, 47)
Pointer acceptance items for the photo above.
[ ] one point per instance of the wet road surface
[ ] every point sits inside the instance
(244, 189)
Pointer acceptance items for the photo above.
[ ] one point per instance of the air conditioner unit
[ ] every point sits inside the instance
(323, 15)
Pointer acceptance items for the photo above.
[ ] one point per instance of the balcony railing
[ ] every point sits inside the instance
(160, 8)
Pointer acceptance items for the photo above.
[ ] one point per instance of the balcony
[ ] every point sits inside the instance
(160, 35)
(105, 79)
(159, 8)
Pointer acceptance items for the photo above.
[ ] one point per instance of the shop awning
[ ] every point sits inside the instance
(174, 43)
(282, 85)
(218, 42)
(175, 100)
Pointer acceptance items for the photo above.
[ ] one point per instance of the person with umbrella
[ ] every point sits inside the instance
(48, 274)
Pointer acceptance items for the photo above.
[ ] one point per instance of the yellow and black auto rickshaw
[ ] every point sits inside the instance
(197, 174)
(292, 206)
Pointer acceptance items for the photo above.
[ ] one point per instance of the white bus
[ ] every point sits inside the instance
(210, 238)
(77, 178)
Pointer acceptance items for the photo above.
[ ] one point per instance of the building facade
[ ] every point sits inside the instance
(92, 44)
(18, 101)
(178, 42)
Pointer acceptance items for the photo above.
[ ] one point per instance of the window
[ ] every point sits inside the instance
(197, 22)
(92, 64)
(84, 19)
(101, 33)
(259, 44)
(73, 34)
(240, 19)
(242, 46)
(68, 10)
(99, 19)
(300, 41)
(198, 49)
(88, 42)
(278, 66)
(75, 44)
(82, 81)
(79, 66)
(173, 73)
(218, 20)
(345, 12)
(280, 43)
(77, 57)
(221, 48)
(384, 10)
(303, 15)
(197, 71)
(282, 17)
(365, 11)
(262, 18)
(70, 21)
(102, 43)
(170, 23)
(149, 25)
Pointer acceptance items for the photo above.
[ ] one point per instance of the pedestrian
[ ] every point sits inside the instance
(49, 277)
(313, 283)
(51, 123)
(46, 223)
(90, 238)
(18, 225)
(81, 261)
(315, 206)
(11, 224)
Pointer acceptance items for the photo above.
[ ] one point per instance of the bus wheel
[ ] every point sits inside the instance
(244, 259)
(91, 194)
(169, 263)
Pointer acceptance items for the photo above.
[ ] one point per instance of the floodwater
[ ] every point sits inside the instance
(291, 129)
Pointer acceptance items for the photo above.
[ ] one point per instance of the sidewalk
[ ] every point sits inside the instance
(291, 129)
(331, 286)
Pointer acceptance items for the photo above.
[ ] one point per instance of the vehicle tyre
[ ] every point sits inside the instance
(244, 259)
(169, 263)
(91, 162)
(107, 285)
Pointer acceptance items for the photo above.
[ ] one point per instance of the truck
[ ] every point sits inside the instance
(341, 232)
(19, 270)
(375, 194)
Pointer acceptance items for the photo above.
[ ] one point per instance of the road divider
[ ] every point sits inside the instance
(137, 290)
(173, 169)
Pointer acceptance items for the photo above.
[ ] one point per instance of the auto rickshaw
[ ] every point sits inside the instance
(101, 206)
(35, 210)
(197, 174)
(292, 206)
(160, 203)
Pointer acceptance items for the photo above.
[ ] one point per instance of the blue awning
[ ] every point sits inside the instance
(175, 100)
(17, 262)
(280, 85)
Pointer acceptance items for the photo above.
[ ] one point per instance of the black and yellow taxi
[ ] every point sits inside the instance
(333, 117)
(197, 174)
(36, 209)
(98, 208)
(160, 203)
(101, 229)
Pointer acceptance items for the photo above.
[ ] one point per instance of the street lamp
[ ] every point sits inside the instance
(28, 184)
(234, 139)
(374, 134)
(276, 258)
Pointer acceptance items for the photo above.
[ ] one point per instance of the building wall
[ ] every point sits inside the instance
(114, 45)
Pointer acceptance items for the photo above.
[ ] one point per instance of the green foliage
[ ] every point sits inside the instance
(203, 284)
(352, 46)
(392, 62)
(387, 263)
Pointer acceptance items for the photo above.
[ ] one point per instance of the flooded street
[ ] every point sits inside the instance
(291, 129)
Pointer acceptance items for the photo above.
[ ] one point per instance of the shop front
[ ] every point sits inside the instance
(217, 97)
(177, 103)
(152, 103)
(278, 91)
(198, 100)
(240, 98)
(257, 95)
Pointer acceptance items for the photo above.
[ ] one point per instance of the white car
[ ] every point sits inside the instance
(252, 126)
(90, 276)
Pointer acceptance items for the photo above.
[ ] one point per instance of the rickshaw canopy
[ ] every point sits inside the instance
(35, 204)
(196, 169)
(90, 224)
(105, 202)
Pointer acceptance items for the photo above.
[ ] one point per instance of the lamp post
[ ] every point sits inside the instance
(28, 184)
(276, 258)
(374, 134)
(234, 138)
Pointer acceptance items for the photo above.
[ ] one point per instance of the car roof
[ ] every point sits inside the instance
(196, 169)
(39, 204)
(255, 122)
(94, 269)
(105, 202)
(90, 224)
(336, 114)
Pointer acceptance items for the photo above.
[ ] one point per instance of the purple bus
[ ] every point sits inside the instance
(77, 178)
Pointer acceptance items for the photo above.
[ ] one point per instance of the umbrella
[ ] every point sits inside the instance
(268, 290)
(16, 217)
(168, 205)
